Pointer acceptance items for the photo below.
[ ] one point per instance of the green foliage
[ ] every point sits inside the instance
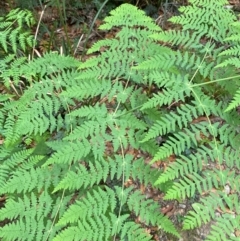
(13, 30)
(71, 131)
(232, 59)
(205, 149)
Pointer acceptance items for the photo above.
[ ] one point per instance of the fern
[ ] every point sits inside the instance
(12, 27)
(83, 123)
(196, 145)
(72, 131)
(232, 54)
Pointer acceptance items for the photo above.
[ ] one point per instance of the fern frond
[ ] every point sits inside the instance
(181, 167)
(225, 228)
(40, 104)
(133, 231)
(96, 204)
(48, 64)
(231, 61)
(235, 102)
(70, 152)
(85, 177)
(11, 74)
(170, 122)
(33, 178)
(189, 185)
(234, 50)
(144, 173)
(91, 112)
(120, 17)
(177, 144)
(205, 17)
(90, 231)
(31, 212)
(12, 27)
(103, 201)
(163, 61)
(202, 183)
(167, 97)
(147, 210)
(87, 89)
(22, 17)
(176, 37)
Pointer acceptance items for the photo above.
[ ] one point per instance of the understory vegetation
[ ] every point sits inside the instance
(149, 107)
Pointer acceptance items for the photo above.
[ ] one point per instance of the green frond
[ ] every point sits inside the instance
(91, 112)
(225, 223)
(225, 228)
(12, 27)
(144, 173)
(166, 97)
(90, 231)
(148, 212)
(201, 183)
(88, 89)
(9, 131)
(163, 61)
(133, 231)
(176, 37)
(172, 121)
(120, 166)
(48, 64)
(38, 108)
(105, 43)
(4, 173)
(86, 177)
(3, 39)
(70, 152)
(188, 186)
(177, 144)
(87, 129)
(181, 167)
(94, 204)
(232, 53)
(235, 37)
(31, 211)
(235, 102)
(230, 61)
(32, 178)
(128, 15)
(21, 16)
(140, 205)
(95, 229)
(13, 73)
(205, 17)
(230, 157)
(234, 50)
(98, 204)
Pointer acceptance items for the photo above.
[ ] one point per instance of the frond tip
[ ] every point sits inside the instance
(235, 102)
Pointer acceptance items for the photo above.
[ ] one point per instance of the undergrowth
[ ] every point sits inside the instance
(74, 134)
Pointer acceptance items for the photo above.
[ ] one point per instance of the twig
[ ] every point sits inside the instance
(36, 33)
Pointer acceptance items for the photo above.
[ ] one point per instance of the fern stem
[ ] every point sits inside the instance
(212, 129)
(123, 157)
(123, 181)
(214, 81)
(197, 70)
(64, 190)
